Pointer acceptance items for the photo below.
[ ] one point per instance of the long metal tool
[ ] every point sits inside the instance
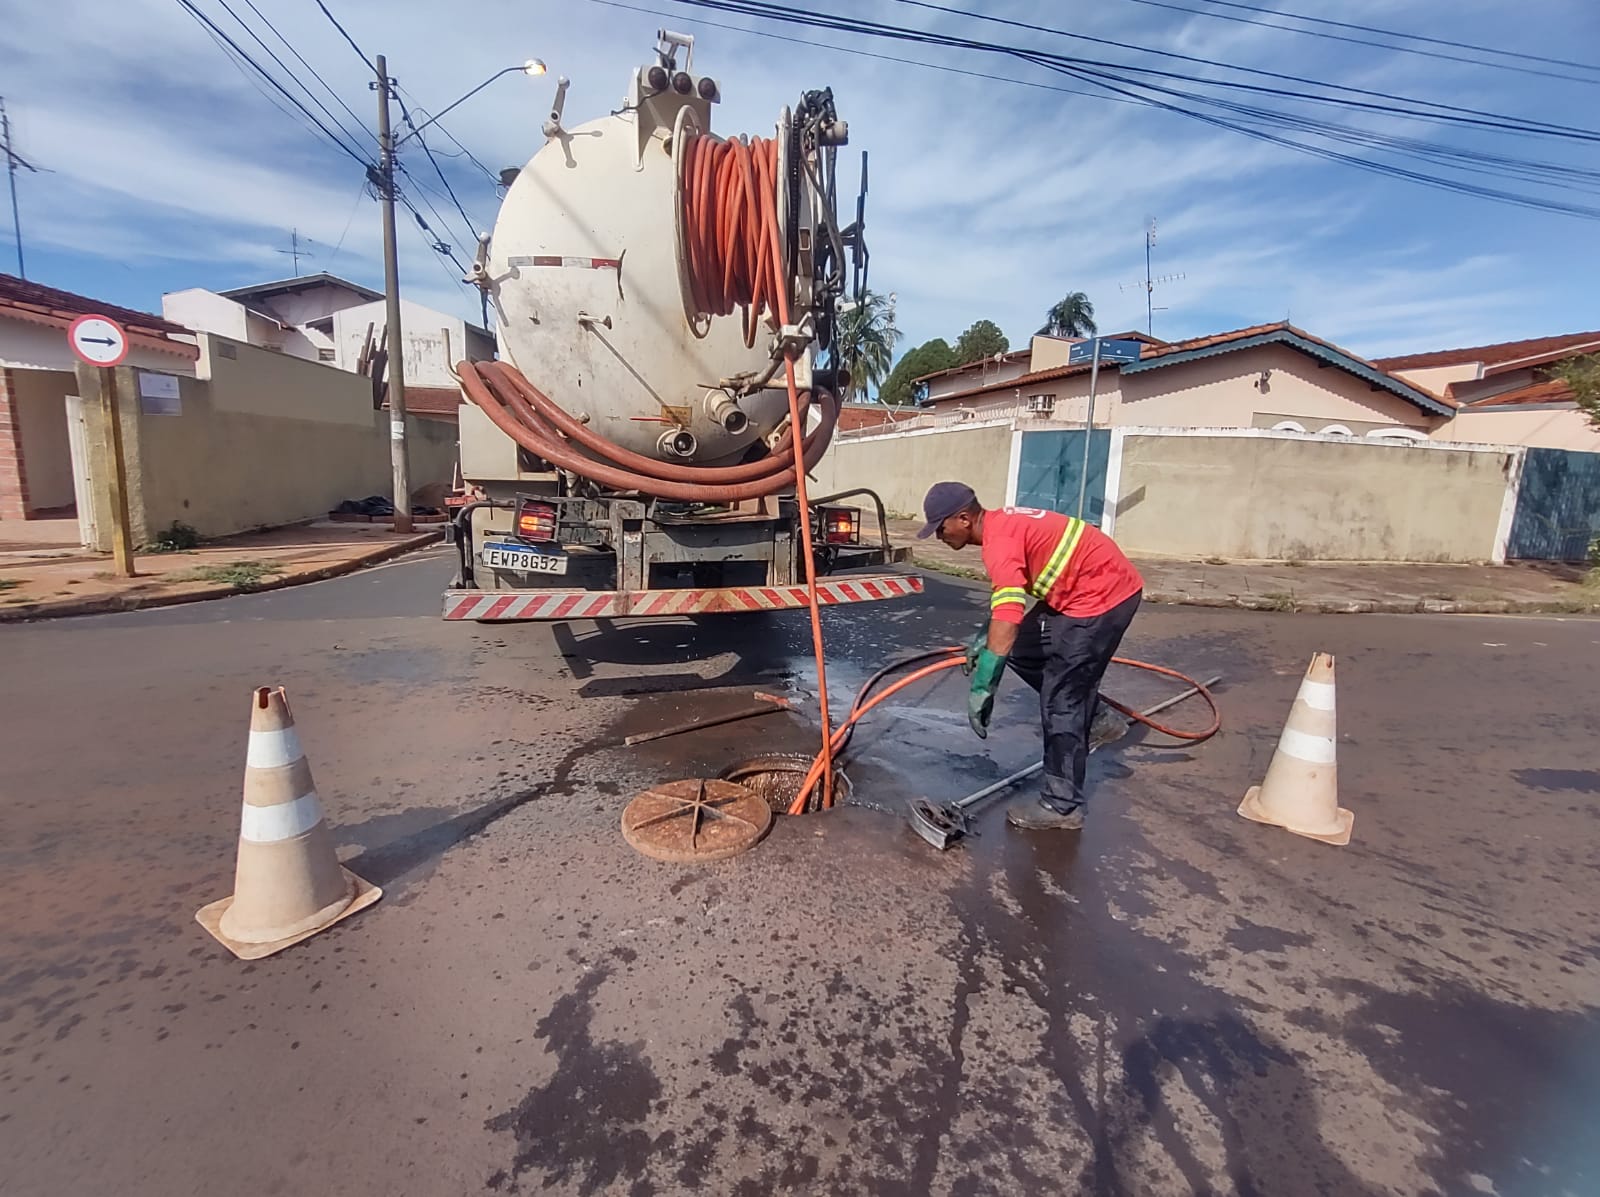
(677, 729)
(943, 824)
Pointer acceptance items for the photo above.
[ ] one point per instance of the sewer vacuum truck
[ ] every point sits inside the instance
(667, 303)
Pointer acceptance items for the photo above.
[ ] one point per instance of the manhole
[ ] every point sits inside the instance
(681, 821)
(777, 777)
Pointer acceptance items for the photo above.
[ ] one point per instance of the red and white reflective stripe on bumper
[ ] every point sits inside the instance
(615, 604)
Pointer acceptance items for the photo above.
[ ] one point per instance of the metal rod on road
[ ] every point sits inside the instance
(679, 728)
(1088, 427)
(1023, 774)
(391, 294)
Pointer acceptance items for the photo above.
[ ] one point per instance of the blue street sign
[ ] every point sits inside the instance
(1110, 351)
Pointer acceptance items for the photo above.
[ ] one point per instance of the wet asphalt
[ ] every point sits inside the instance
(1174, 1001)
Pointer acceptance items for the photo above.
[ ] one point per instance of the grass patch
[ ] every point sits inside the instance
(954, 571)
(12, 583)
(1591, 580)
(1280, 600)
(244, 574)
(1216, 561)
(178, 537)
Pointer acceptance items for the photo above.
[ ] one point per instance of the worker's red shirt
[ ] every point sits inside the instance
(1066, 563)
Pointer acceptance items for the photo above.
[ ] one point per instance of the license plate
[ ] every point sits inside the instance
(523, 560)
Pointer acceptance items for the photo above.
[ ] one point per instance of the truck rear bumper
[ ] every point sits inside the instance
(487, 605)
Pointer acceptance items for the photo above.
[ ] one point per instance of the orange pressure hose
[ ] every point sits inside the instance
(735, 258)
(798, 807)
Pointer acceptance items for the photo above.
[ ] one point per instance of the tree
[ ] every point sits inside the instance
(1072, 316)
(928, 358)
(983, 339)
(864, 342)
(1582, 376)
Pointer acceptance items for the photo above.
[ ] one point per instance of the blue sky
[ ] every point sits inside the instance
(168, 169)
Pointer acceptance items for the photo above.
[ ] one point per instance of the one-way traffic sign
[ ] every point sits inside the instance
(98, 340)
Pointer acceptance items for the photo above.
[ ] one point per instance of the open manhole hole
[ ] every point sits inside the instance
(698, 819)
(777, 777)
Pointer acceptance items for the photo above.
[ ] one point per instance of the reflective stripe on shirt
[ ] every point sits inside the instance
(1008, 594)
(1059, 559)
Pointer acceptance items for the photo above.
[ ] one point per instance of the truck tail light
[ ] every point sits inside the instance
(536, 521)
(841, 525)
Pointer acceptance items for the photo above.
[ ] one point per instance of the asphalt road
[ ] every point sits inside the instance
(1174, 1001)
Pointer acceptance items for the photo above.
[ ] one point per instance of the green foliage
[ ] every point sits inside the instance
(11, 583)
(927, 358)
(1071, 316)
(1582, 374)
(177, 538)
(243, 574)
(983, 339)
(864, 342)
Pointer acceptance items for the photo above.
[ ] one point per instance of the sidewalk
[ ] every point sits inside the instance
(41, 583)
(1325, 586)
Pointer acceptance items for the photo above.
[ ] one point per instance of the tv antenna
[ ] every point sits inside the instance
(1150, 281)
(295, 251)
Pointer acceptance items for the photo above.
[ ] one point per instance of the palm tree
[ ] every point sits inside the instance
(864, 342)
(1073, 316)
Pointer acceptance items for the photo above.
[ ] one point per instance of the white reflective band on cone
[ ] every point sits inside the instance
(1317, 695)
(1313, 750)
(269, 824)
(273, 749)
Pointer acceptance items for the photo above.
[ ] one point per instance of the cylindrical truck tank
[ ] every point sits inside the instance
(584, 270)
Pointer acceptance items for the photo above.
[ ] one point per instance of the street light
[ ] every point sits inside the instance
(533, 67)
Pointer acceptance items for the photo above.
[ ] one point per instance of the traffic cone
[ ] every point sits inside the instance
(1300, 790)
(289, 884)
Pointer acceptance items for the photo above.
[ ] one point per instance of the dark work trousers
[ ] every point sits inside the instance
(1064, 657)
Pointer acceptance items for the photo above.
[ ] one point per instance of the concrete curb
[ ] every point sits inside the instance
(110, 603)
(1293, 606)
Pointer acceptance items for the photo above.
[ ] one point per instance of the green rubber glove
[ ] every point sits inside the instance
(989, 668)
(976, 645)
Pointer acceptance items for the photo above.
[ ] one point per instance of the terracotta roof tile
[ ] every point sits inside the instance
(432, 401)
(858, 415)
(37, 299)
(1550, 391)
(1488, 355)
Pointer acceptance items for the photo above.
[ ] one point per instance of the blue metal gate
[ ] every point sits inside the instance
(1558, 507)
(1049, 468)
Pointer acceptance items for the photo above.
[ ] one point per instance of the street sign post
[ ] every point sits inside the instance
(101, 342)
(1110, 351)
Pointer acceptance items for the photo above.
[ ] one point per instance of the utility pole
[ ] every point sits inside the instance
(14, 160)
(391, 288)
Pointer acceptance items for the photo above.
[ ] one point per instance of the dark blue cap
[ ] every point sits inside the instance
(943, 500)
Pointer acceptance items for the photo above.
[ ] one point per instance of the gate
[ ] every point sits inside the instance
(1558, 507)
(1050, 465)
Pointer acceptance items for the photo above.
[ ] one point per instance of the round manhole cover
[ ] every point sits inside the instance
(681, 821)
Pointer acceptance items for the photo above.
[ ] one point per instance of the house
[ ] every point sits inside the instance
(956, 379)
(324, 318)
(853, 417)
(1504, 394)
(1267, 376)
(42, 453)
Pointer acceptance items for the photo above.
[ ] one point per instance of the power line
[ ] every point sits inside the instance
(1118, 84)
(1416, 37)
(423, 112)
(365, 61)
(360, 124)
(1359, 41)
(312, 96)
(405, 115)
(931, 66)
(1444, 112)
(206, 23)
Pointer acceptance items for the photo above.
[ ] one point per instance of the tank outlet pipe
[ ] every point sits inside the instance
(724, 411)
(677, 442)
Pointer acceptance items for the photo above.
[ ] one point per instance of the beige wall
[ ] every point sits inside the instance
(1562, 427)
(40, 396)
(901, 466)
(1436, 378)
(266, 440)
(1222, 392)
(1277, 496)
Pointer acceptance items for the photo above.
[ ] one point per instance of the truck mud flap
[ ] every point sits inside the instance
(488, 605)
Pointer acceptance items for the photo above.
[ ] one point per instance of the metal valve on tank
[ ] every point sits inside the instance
(724, 409)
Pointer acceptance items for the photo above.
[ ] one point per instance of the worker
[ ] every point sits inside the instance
(1087, 592)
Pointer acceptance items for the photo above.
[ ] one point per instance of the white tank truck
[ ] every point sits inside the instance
(630, 453)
